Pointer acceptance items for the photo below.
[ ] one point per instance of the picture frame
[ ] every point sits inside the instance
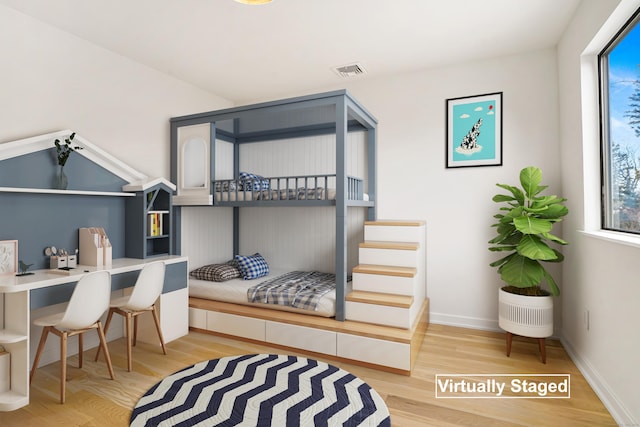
(474, 131)
(8, 257)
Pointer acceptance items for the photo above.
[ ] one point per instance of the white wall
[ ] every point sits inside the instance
(456, 203)
(599, 276)
(52, 80)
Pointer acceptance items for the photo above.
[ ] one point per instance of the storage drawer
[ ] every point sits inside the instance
(301, 337)
(197, 318)
(372, 350)
(246, 327)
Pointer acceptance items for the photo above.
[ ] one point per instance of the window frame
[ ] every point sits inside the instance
(606, 181)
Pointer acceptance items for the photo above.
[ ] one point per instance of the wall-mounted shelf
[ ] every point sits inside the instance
(70, 192)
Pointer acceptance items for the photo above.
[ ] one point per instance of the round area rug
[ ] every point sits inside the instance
(261, 390)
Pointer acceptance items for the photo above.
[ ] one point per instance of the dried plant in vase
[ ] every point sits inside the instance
(63, 151)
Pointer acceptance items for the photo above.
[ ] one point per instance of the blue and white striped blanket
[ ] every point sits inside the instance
(299, 289)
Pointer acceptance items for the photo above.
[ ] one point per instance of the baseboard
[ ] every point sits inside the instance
(464, 322)
(473, 323)
(601, 388)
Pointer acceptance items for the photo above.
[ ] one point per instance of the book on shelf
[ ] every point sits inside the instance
(155, 226)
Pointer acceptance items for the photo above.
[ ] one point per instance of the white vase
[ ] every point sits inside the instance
(527, 316)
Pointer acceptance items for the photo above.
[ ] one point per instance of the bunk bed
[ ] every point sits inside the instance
(203, 179)
(242, 166)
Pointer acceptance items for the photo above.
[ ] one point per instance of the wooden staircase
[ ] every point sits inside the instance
(389, 285)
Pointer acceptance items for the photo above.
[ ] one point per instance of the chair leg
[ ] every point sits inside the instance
(43, 340)
(129, 338)
(135, 329)
(106, 328)
(154, 310)
(63, 366)
(103, 344)
(80, 350)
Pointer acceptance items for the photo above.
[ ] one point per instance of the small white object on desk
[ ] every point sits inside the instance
(95, 247)
(58, 262)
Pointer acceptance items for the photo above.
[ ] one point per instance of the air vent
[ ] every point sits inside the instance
(350, 70)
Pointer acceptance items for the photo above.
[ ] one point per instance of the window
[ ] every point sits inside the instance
(620, 129)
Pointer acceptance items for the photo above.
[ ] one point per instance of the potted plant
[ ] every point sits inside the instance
(525, 221)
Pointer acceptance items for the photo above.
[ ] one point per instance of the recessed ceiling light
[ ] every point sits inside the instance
(254, 1)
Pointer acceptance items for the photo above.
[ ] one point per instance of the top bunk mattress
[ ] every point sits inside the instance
(235, 291)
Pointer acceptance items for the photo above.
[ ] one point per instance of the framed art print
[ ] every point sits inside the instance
(8, 257)
(474, 131)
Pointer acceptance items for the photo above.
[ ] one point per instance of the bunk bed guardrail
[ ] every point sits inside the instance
(310, 188)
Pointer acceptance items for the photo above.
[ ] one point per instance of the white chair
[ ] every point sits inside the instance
(146, 291)
(89, 301)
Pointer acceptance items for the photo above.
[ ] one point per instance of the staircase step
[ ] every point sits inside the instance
(385, 270)
(395, 231)
(396, 254)
(404, 246)
(390, 300)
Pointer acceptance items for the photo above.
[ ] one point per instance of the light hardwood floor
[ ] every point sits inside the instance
(95, 400)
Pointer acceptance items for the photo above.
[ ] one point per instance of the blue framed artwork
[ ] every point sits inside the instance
(474, 131)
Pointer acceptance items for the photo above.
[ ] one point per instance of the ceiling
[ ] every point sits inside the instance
(245, 53)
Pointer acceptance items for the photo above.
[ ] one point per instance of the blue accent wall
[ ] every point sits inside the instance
(41, 220)
(37, 170)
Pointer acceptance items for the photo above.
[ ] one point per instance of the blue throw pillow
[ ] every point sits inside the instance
(251, 181)
(252, 267)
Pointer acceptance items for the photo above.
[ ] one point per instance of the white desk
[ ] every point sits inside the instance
(16, 307)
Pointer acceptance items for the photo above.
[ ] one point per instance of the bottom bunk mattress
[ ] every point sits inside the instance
(236, 291)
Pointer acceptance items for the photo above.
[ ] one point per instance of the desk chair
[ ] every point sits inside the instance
(146, 291)
(89, 301)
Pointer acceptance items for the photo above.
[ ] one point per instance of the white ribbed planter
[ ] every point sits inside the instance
(527, 316)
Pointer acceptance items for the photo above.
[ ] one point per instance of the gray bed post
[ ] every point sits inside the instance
(236, 173)
(372, 212)
(173, 174)
(341, 207)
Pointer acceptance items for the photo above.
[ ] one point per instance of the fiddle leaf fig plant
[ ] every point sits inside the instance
(525, 221)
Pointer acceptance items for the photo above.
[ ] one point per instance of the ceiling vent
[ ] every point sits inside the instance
(350, 70)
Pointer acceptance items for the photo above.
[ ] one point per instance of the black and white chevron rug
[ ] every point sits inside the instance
(261, 390)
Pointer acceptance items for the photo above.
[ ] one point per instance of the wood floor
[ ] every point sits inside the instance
(95, 400)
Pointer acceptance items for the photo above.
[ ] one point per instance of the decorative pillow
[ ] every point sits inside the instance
(225, 186)
(252, 267)
(216, 272)
(251, 181)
